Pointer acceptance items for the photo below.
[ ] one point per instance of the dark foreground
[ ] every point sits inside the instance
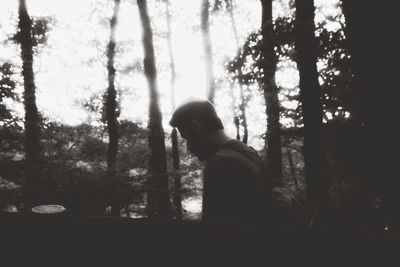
(59, 241)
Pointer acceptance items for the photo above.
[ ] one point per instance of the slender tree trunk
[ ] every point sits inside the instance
(243, 99)
(33, 148)
(235, 117)
(111, 115)
(290, 159)
(310, 93)
(243, 116)
(170, 53)
(273, 135)
(292, 168)
(158, 180)
(208, 60)
(177, 177)
(174, 135)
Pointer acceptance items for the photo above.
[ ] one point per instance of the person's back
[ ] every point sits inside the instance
(232, 185)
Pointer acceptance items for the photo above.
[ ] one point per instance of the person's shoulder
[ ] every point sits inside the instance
(221, 158)
(234, 158)
(237, 150)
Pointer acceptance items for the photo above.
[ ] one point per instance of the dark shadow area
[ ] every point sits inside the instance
(107, 240)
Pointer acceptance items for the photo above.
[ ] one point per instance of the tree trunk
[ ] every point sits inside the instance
(236, 121)
(174, 135)
(243, 116)
(372, 48)
(273, 135)
(243, 104)
(352, 32)
(158, 196)
(310, 94)
(208, 60)
(356, 44)
(177, 176)
(111, 115)
(33, 148)
(292, 168)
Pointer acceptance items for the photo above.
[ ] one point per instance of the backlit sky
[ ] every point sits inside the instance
(71, 67)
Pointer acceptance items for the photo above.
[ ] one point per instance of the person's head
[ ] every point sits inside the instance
(198, 123)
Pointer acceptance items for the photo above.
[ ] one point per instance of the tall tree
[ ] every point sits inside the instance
(371, 49)
(310, 95)
(273, 135)
(208, 59)
(356, 44)
(174, 135)
(353, 38)
(243, 99)
(111, 114)
(33, 148)
(158, 197)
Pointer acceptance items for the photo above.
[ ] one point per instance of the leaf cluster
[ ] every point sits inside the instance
(336, 76)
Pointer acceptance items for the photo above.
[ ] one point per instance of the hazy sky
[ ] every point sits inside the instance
(71, 68)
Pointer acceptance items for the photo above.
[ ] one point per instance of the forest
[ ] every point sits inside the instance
(87, 89)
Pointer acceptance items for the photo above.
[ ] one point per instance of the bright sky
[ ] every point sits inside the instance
(71, 68)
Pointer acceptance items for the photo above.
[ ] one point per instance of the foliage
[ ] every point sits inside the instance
(40, 32)
(74, 173)
(11, 138)
(133, 149)
(7, 87)
(220, 5)
(249, 58)
(96, 104)
(335, 73)
(336, 76)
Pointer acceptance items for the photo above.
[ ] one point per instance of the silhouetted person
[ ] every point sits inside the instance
(232, 186)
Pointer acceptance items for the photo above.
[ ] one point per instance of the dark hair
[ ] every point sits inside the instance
(202, 111)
